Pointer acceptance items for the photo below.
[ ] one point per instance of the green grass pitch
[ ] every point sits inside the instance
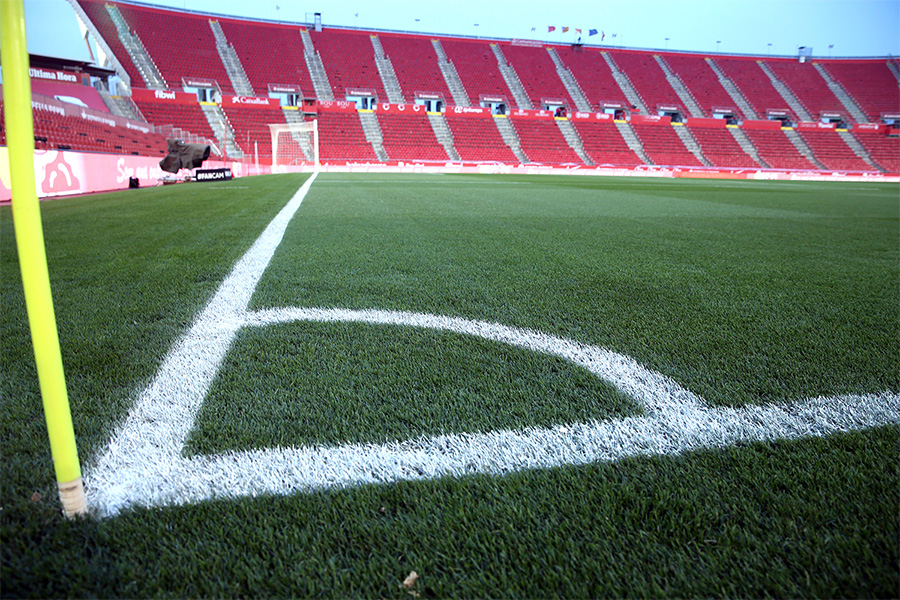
(743, 292)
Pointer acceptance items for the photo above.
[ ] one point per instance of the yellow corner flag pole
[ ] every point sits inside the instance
(33, 257)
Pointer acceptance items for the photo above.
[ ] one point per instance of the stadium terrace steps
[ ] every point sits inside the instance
(372, 131)
(604, 144)
(410, 137)
(341, 137)
(802, 147)
(701, 82)
(477, 138)
(755, 86)
(414, 61)
(565, 75)
(349, 61)
(186, 49)
(283, 61)
(543, 142)
(221, 128)
(451, 77)
(443, 134)
(538, 74)
(884, 150)
(476, 66)
(777, 150)
(846, 101)
(736, 95)
(230, 61)
(647, 78)
(96, 19)
(786, 93)
(624, 84)
(687, 100)
(721, 149)
(316, 69)
(858, 149)
(510, 137)
(690, 143)
(832, 151)
(386, 72)
(871, 84)
(294, 116)
(663, 146)
(633, 142)
(512, 79)
(746, 145)
(807, 84)
(573, 139)
(149, 72)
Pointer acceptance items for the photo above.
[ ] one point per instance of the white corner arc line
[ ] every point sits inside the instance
(144, 465)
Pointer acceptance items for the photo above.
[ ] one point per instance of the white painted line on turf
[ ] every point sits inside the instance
(144, 464)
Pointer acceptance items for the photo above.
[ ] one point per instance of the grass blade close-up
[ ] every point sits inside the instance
(515, 386)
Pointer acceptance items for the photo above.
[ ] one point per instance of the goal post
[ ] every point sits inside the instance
(294, 144)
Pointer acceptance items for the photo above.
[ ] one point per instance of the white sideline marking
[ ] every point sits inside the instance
(144, 465)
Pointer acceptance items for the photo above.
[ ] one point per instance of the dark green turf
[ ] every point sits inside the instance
(741, 291)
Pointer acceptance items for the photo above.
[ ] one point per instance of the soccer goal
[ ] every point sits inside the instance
(294, 144)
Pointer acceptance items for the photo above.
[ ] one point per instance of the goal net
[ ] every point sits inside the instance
(294, 144)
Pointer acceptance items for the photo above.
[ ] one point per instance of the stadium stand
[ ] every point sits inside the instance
(96, 11)
(349, 60)
(477, 69)
(341, 137)
(777, 150)
(753, 83)
(250, 127)
(543, 142)
(538, 74)
(415, 63)
(884, 150)
(807, 85)
(184, 116)
(604, 144)
(280, 60)
(721, 149)
(833, 152)
(476, 138)
(647, 78)
(663, 146)
(702, 83)
(870, 83)
(593, 75)
(182, 45)
(410, 137)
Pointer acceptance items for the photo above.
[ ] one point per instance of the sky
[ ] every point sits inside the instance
(834, 28)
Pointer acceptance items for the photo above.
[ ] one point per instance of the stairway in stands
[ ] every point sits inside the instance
(626, 86)
(855, 111)
(231, 62)
(684, 94)
(510, 137)
(786, 93)
(690, 143)
(153, 79)
(573, 139)
(512, 79)
(443, 134)
(733, 90)
(372, 131)
(454, 83)
(386, 71)
(316, 68)
(565, 75)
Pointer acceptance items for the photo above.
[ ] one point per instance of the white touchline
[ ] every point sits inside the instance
(144, 463)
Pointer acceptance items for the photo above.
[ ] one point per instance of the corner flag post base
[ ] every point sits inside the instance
(71, 494)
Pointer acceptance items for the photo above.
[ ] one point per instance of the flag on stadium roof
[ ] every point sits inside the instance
(551, 29)
(592, 32)
(565, 29)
